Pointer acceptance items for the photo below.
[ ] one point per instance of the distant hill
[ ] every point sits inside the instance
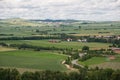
(35, 22)
(20, 22)
(50, 20)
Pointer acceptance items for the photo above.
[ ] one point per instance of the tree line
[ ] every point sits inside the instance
(64, 37)
(30, 38)
(82, 74)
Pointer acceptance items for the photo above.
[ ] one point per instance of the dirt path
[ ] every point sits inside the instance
(68, 66)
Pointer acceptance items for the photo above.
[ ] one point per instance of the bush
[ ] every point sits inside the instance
(85, 48)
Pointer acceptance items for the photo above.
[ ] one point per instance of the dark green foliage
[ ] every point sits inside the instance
(79, 27)
(27, 76)
(85, 48)
(8, 74)
(31, 38)
(68, 60)
(85, 57)
(75, 55)
(101, 74)
(83, 74)
(36, 48)
(119, 45)
(115, 75)
(3, 44)
(74, 76)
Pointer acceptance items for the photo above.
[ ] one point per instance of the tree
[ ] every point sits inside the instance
(79, 27)
(15, 75)
(37, 30)
(85, 48)
(115, 75)
(68, 60)
(8, 74)
(74, 76)
(27, 76)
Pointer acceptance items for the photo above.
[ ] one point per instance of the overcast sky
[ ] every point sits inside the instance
(100, 10)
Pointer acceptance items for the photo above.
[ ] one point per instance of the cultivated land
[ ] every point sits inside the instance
(47, 60)
(102, 62)
(6, 49)
(32, 60)
(63, 44)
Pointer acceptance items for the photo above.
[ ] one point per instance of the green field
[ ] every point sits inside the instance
(98, 60)
(63, 44)
(102, 62)
(93, 60)
(32, 60)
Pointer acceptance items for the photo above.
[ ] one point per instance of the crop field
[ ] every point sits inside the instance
(6, 49)
(47, 60)
(102, 62)
(63, 44)
(112, 65)
(94, 60)
(32, 60)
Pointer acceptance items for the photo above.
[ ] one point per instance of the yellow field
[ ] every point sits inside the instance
(6, 49)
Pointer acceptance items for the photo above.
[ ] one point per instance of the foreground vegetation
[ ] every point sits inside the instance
(83, 74)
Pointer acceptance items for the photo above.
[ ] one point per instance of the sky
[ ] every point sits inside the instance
(95, 10)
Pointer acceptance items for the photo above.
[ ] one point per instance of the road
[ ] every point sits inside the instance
(75, 63)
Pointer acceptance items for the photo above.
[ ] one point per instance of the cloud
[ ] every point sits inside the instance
(61, 9)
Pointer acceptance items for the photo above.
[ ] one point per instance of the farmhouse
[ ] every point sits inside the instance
(111, 57)
(69, 39)
(114, 48)
(82, 54)
(117, 50)
(118, 37)
(82, 40)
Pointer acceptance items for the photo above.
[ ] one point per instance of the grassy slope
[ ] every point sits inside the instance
(33, 60)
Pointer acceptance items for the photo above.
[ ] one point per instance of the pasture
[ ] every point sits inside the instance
(32, 60)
